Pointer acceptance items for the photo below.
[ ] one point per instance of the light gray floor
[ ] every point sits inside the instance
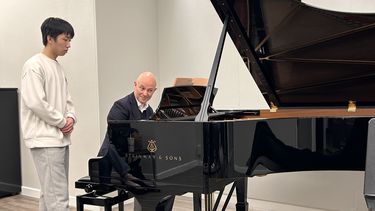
(25, 203)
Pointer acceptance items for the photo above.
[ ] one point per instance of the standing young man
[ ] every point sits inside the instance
(47, 114)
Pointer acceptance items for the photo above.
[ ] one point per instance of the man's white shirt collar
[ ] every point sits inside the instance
(140, 106)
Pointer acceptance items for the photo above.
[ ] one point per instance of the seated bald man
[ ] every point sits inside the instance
(131, 107)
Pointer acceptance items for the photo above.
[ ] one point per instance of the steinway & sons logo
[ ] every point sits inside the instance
(151, 147)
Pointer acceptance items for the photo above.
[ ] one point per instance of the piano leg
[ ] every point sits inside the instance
(121, 206)
(80, 204)
(208, 201)
(241, 191)
(369, 190)
(197, 201)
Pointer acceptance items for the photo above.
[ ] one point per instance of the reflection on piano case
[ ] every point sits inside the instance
(180, 103)
(316, 70)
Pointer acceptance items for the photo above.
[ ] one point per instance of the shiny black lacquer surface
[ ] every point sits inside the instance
(180, 103)
(301, 55)
(188, 153)
(201, 157)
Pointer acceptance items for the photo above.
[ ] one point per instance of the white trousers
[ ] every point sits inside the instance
(52, 165)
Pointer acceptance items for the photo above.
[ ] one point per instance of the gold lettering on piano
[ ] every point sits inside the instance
(155, 157)
(352, 107)
(135, 156)
(151, 147)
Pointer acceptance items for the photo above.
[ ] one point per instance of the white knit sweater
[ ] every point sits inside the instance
(45, 103)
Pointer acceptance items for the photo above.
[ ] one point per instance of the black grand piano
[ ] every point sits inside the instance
(315, 68)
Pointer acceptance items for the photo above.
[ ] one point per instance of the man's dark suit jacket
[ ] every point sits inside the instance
(127, 109)
(124, 109)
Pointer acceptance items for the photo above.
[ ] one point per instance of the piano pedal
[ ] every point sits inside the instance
(139, 190)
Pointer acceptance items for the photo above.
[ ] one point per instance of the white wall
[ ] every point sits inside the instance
(188, 35)
(361, 6)
(127, 45)
(20, 38)
(172, 38)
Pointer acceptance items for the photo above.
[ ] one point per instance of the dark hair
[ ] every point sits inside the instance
(54, 27)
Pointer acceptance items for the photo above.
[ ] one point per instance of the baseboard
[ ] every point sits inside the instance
(35, 193)
(31, 192)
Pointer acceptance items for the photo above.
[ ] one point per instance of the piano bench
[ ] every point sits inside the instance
(96, 195)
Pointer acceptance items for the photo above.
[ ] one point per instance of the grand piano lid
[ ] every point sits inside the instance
(302, 56)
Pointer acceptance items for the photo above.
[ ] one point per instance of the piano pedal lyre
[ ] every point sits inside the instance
(352, 107)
